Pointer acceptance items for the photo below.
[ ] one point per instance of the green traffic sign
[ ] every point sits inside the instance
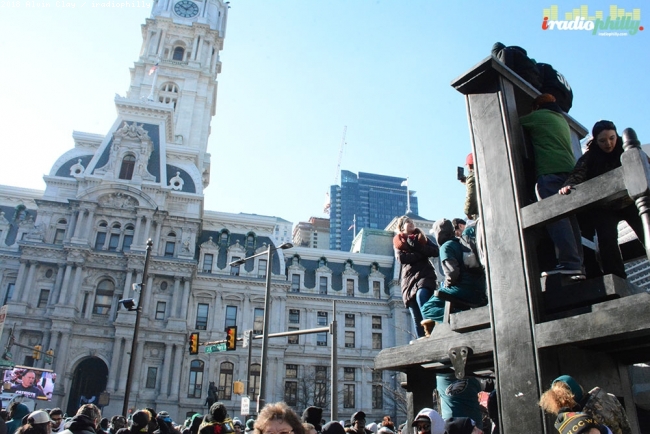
(215, 348)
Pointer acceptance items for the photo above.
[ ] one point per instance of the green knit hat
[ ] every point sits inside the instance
(573, 385)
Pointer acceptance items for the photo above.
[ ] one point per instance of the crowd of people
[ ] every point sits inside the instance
(461, 411)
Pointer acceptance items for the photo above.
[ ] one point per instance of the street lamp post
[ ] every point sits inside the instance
(267, 301)
(136, 327)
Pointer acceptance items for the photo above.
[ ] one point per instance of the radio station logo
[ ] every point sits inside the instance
(619, 22)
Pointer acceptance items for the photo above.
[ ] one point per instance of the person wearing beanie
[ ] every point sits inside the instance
(418, 278)
(250, 425)
(550, 135)
(333, 427)
(313, 416)
(358, 424)
(579, 423)
(217, 421)
(428, 421)
(603, 154)
(461, 425)
(139, 423)
(461, 283)
(567, 395)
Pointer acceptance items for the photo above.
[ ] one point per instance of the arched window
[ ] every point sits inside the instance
(196, 379)
(223, 238)
(250, 240)
(128, 237)
(59, 233)
(168, 93)
(170, 245)
(100, 239)
(179, 52)
(103, 297)
(225, 380)
(128, 164)
(254, 382)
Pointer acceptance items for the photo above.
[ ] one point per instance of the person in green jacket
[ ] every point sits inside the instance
(554, 161)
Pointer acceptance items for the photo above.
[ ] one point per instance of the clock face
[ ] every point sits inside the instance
(186, 8)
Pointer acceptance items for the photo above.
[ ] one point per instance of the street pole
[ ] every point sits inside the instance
(334, 366)
(250, 355)
(261, 399)
(136, 329)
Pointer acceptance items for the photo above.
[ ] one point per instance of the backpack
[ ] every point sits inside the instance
(471, 257)
(554, 83)
(516, 58)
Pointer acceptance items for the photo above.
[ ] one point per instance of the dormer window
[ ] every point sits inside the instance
(128, 164)
(179, 52)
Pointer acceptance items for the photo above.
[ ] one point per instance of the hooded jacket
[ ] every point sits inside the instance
(80, 424)
(20, 411)
(437, 423)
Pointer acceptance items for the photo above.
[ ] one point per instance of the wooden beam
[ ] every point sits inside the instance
(433, 349)
(592, 193)
(609, 322)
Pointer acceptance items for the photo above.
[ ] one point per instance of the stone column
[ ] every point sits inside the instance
(175, 297)
(147, 302)
(124, 367)
(127, 284)
(156, 238)
(147, 230)
(66, 284)
(27, 288)
(60, 361)
(164, 385)
(186, 299)
(136, 231)
(72, 226)
(76, 286)
(89, 225)
(79, 226)
(176, 374)
(137, 369)
(54, 343)
(113, 370)
(19, 286)
(57, 283)
(138, 279)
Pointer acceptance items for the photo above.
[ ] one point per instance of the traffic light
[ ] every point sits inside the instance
(36, 355)
(231, 338)
(49, 356)
(194, 343)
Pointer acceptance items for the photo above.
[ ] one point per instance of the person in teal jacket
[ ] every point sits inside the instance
(462, 283)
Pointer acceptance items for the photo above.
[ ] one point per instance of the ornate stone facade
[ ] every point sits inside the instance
(70, 253)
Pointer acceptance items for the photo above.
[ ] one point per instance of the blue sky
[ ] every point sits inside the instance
(295, 72)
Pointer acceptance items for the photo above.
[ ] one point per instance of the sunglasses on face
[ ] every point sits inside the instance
(423, 426)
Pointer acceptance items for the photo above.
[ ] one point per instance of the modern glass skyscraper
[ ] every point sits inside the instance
(365, 201)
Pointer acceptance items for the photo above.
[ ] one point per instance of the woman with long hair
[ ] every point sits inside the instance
(417, 276)
(604, 154)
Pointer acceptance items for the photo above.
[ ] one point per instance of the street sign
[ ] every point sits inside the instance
(245, 406)
(3, 316)
(215, 348)
(247, 338)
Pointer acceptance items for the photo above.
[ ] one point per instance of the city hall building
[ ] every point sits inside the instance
(68, 254)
